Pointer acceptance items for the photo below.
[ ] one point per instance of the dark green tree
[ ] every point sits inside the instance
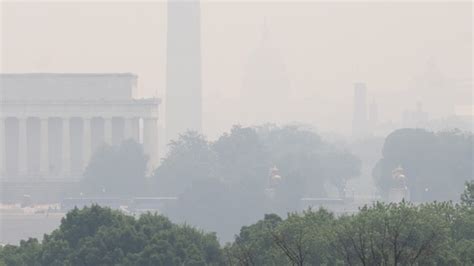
(436, 165)
(391, 234)
(306, 163)
(189, 159)
(100, 236)
(26, 253)
(467, 197)
(228, 178)
(305, 239)
(116, 171)
(254, 244)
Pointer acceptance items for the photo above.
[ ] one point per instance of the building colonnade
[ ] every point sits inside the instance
(61, 147)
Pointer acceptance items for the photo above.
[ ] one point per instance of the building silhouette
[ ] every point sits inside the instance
(415, 118)
(373, 118)
(266, 87)
(183, 69)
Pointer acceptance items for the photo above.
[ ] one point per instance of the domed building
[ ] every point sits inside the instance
(266, 87)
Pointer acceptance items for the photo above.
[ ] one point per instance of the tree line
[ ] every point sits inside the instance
(436, 164)
(221, 184)
(437, 233)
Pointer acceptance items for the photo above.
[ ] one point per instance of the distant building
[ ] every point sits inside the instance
(435, 89)
(373, 117)
(183, 69)
(266, 86)
(359, 120)
(415, 118)
(50, 124)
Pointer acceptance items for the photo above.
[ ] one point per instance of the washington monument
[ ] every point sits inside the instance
(183, 88)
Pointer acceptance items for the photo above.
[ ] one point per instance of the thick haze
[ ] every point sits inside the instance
(317, 51)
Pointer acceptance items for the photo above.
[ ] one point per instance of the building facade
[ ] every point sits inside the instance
(51, 124)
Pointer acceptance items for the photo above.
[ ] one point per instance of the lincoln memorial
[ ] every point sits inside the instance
(51, 124)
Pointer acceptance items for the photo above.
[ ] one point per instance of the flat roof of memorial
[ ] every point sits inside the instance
(125, 74)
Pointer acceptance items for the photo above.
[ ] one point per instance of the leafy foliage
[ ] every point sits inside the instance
(116, 171)
(436, 165)
(382, 234)
(221, 187)
(391, 234)
(467, 197)
(100, 236)
(438, 233)
(227, 178)
(190, 159)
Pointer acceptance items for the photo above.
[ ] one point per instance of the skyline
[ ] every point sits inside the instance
(322, 62)
(236, 132)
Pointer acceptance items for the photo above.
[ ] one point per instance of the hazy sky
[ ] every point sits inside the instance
(324, 47)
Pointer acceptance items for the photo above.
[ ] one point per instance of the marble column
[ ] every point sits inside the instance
(87, 142)
(150, 141)
(44, 146)
(108, 130)
(22, 146)
(131, 128)
(66, 147)
(2, 147)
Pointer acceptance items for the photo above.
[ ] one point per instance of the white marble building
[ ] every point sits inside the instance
(50, 124)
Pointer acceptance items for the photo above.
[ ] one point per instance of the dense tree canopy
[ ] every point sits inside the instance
(223, 185)
(229, 177)
(100, 236)
(436, 164)
(382, 234)
(116, 171)
(190, 159)
(438, 233)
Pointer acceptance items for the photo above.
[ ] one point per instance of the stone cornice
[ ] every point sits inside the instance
(144, 108)
(144, 101)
